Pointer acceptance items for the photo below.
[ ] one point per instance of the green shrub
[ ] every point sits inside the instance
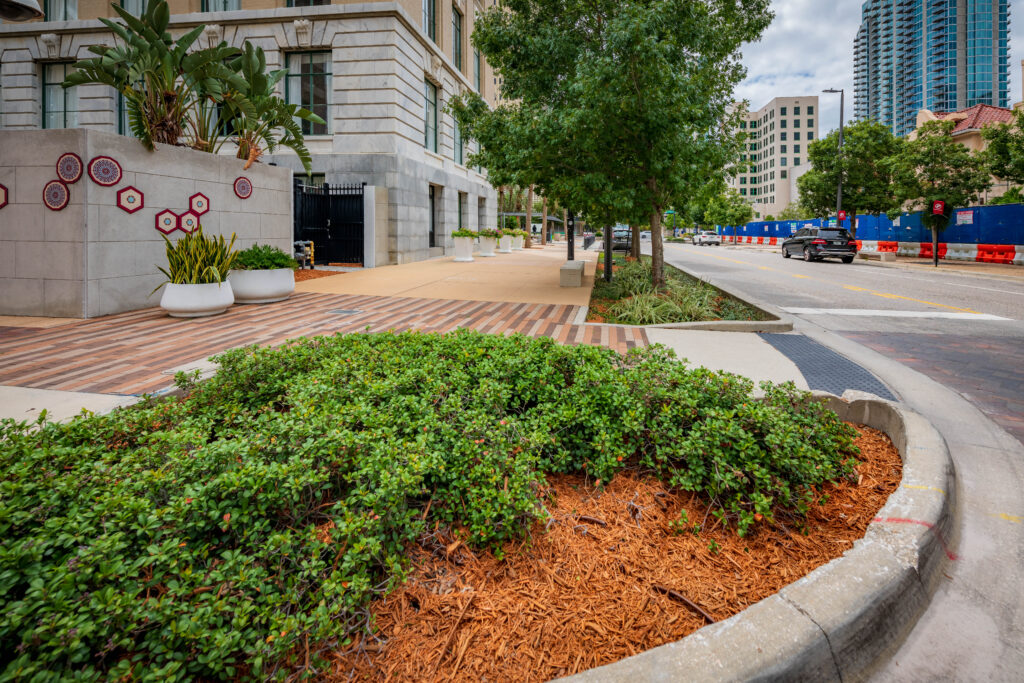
(214, 536)
(465, 233)
(263, 257)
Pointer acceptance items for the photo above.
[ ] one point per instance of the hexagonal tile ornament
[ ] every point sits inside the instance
(3, 196)
(167, 221)
(188, 221)
(199, 203)
(130, 199)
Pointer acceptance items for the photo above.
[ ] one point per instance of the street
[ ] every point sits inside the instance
(965, 331)
(948, 344)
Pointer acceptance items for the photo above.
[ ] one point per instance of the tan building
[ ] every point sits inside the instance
(776, 152)
(379, 73)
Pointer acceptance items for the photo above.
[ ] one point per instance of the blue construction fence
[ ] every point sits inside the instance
(1003, 224)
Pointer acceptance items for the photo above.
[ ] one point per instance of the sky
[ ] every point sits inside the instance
(809, 47)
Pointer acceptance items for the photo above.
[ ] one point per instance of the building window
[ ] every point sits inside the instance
(796, 161)
(796, 149)
(743, 191)
(782, 161)
(782, 123)
(60, 105)
(307, 3)
(462, 211)
(457, 38)
(743, 180)
(783, 173)
(782, 111)
(309, 85)
(476, 69)
(459, 154)
(796, 123)
(61, 10)
(810, 135)
(432, 197)
(782, 149)
(796, 111)
(220, 5)
(430, 117)
(810, 110)
(796, 135)
(810, 123)
(782, 137)
(135, 7)
(123, 126)
(430, 19)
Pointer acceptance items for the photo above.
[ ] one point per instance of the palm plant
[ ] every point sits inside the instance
(162, 82)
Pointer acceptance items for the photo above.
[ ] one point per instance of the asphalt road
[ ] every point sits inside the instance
(963, 334)
(965, 331)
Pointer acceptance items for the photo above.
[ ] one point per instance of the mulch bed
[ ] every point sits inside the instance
(306, 274)
(606, 578)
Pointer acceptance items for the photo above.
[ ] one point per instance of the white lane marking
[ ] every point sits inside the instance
(892, 314)
(945, 283)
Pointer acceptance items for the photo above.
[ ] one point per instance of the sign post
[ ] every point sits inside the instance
(939, 210)
(570, 235)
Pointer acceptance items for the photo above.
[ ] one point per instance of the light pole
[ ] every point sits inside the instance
(839, 156)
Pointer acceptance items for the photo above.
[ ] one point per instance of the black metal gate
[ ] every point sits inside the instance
(331, 216)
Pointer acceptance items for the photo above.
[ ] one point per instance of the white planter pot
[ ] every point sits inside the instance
(505, 244)
(196, 301)
(487, 245)
(262, 286)
(517, 242)
(463, 249)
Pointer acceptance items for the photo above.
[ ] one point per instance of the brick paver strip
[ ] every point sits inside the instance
(128, 353)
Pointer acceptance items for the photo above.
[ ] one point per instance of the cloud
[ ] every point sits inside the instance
(809, 47)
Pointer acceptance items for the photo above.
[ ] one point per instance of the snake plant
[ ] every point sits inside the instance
(198, 259)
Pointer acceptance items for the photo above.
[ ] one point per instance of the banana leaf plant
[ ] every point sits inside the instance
(259, 120)
(163, 84)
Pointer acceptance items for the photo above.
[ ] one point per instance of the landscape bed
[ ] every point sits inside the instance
(246, 529)
(630, 298)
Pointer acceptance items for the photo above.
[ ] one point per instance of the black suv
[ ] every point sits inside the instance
(818, 243)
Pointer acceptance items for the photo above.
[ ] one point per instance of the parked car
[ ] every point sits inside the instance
(622, 238)
(814, 244)
(707, 237)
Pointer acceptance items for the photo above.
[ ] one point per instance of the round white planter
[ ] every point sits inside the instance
(505, 244)
(463, 249)
(517, 242)
(196, 301)
(262, 286)
(487, 245)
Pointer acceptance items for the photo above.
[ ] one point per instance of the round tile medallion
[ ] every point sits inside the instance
(104, 171)
(56, 195)
(69, 168)
(243, 187)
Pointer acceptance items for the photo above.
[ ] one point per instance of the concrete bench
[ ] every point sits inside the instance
(571, 274)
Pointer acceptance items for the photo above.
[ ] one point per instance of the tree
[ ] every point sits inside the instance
(795, 211)
(936, 167)
(620, 107)
(1005, 152)
(729, 209)
(867, 177)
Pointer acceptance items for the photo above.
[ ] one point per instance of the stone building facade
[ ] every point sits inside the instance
(379, 73)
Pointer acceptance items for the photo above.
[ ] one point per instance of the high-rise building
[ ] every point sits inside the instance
(778, 135)
(941, 55)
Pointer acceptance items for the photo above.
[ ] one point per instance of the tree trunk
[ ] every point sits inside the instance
(634, 245)
(501, 205)
(935, 246)
(544, 223)
(853, 223)
(657, 250)
(529, 218)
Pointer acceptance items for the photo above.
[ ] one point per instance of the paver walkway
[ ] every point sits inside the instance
(131, 353)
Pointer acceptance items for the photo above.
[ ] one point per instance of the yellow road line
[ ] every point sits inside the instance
(924, 488)
(853, 288)
(1009, 518)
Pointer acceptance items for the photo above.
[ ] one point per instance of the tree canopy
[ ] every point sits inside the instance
(619, 108)
(1005, 151)
(729, 209)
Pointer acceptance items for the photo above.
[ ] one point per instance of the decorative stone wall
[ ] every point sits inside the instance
(99, 253)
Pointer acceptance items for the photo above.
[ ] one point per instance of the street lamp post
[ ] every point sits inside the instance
(839, 156)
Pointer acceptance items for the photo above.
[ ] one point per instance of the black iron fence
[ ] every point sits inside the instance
(330, 216)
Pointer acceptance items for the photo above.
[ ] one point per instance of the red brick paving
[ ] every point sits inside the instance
(987, 370)
(127, 353)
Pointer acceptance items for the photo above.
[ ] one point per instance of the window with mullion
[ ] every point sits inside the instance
(220, 5)
(430, 117)
(307, 3)
(61, 10)
(135, 7)
(430, 19)
(60, 105)
(309, 85)
(459, 154)
(457, 38)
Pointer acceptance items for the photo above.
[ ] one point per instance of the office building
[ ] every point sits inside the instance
(380, 75)
(940, 55)
(776, 152)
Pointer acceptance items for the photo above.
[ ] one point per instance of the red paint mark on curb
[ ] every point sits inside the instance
(928, 525)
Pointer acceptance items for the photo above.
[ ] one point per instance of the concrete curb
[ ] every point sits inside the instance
(845, 619)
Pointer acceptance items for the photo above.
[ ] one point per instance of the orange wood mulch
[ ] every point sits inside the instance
(306, 274)
(606, 578)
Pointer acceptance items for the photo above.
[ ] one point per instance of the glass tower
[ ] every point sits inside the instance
(942, 55)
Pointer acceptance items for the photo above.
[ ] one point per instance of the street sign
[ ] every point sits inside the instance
(938, 207)
(842, 215)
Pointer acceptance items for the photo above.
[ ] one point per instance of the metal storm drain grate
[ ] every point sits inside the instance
(345, 311)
